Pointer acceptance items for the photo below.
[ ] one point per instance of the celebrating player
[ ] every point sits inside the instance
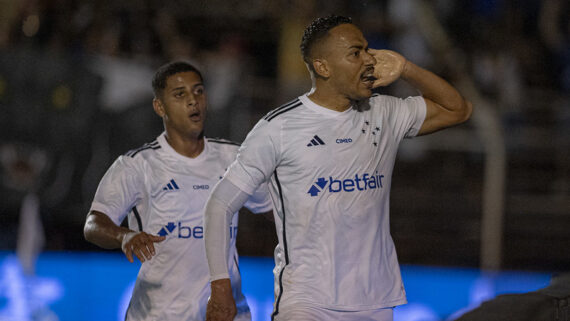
(163, 187)
(328, 156)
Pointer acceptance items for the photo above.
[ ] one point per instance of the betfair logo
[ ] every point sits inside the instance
(182, 231)
(356, 184)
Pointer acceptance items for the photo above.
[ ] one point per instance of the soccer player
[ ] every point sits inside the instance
(328, 156)
(163, 187)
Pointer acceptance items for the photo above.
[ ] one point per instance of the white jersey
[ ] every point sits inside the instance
(330, 177)
(164, 193)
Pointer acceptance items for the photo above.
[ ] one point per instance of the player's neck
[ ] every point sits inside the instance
(329, 99)
(189, 146)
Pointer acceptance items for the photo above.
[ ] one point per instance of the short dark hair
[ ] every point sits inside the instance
(316, 31)
(169, 69)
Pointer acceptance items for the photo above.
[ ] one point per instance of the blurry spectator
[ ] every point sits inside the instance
(497, 72)
(375, 22)
(407, 38)
(227, 72)
(292, 75)
(175, 45)
(125, 80)
(8, 13)
(555, 31)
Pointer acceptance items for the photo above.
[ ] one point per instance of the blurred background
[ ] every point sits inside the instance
(490, 195)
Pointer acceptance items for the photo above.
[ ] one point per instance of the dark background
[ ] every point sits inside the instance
(75, 93)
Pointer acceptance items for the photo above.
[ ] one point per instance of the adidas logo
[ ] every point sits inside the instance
(170, 186)
(316, 141)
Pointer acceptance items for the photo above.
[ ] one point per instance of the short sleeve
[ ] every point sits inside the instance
(405, 116)
(118, 190)
(257, 157)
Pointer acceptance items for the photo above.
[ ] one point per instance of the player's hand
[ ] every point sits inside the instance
(140, 244)
(389, 66)
(221, 304)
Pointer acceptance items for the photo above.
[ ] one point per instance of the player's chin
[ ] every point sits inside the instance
(367, 85)
(196, 127)
(361, 91)
(364, 92)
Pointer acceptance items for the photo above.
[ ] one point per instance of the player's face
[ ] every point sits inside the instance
(183, 104)
(351, 66)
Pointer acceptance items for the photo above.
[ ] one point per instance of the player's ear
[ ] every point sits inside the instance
(321, 67)
(158, 107)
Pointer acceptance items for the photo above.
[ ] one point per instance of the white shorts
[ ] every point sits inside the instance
(321, 314)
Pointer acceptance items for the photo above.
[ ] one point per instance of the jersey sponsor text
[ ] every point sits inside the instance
(358, 183)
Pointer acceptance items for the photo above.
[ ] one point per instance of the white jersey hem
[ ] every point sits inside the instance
(347, 308)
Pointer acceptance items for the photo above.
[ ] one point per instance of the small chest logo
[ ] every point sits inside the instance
(374, 130)
(171, 186)
(315, 141)
(344, 140)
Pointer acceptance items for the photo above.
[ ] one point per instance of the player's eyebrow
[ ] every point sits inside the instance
(177, 88)
(183, 87)
(359, 46)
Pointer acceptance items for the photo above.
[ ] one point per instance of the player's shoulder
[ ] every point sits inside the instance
(378, 103)
(222, 146)
(378, 99)
(147, 149)
(221, 151)
(223, 143)
(283, 110)
(381, 100)
(136, 160)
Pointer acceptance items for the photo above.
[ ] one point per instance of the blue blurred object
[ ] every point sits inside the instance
(97, 286)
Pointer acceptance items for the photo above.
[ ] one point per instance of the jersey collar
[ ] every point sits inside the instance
(170, 151)
(320, 109)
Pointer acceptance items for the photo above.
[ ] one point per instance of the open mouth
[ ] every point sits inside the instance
(368, 78)
(195, 116)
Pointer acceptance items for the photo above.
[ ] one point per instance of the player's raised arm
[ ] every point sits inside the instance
(100, 230)
(445, 105)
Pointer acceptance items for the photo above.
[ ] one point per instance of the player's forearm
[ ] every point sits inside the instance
(225, 200)
(436, 89)
(216, 239)
(101, 231)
